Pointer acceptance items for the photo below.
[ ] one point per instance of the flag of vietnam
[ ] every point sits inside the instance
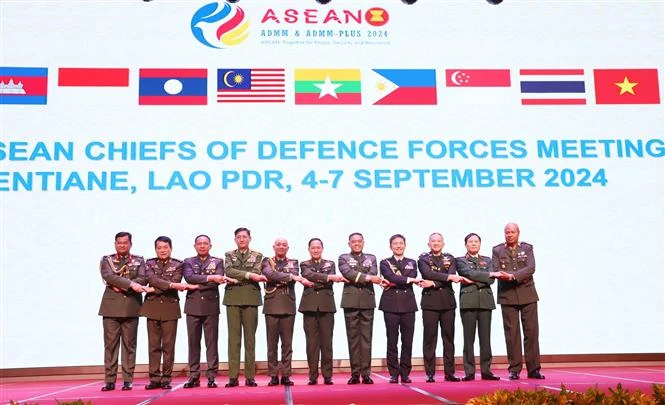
(626, 86)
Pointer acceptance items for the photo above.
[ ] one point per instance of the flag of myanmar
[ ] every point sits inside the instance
(327, 86)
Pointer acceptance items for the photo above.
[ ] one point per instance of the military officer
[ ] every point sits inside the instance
(476, 305)
(438, 305)
(202, 309)
(519, 300)
(162, 311)
(358, 302)
(318, 308)
(124, 275)
(399, 307)
(280, 309)
(242, 301)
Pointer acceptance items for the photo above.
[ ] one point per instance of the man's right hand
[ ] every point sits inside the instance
(459, 279)
(178, 286)
(336, 278)
(257, 277)
(374, 279)
(216, 278)
(230, 280)
(137, 287)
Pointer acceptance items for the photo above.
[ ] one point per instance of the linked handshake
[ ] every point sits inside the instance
(453, 278)
(502, 275)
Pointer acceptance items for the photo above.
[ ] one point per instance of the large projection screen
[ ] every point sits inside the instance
(443, 116)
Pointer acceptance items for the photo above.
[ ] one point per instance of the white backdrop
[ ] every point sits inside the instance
(598, 248)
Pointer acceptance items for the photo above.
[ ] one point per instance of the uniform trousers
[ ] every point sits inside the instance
(209, 324)
(399, 324)
(279, 328)
(242, 321)
(319, 336)
(433, 320)
(528, 314)
(483, 319)
(359, 325)
(115, 331)
(161, 342)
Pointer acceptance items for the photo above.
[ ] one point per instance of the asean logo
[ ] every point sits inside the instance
(220, 25)
(377, 16)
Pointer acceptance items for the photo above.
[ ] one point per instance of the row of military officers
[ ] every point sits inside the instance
(127, 277)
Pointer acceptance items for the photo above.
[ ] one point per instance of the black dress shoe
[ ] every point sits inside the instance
(429, 379)
(469, 377)
(233, 382)
(166, 385)
(452, 378)
(536, 375)
(286, 381)
(273, 381)
(367, 380)
(212, 383)
(312, 381)
(406, 380)
(126, 386)
(108, 387)
(250, 382)
(191, 383)
(489, 376)
(514, 375)
(153, 385)
(353, 380)
(393, 380)
(328, 381)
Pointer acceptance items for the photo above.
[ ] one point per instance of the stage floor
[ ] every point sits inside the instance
(381, 392)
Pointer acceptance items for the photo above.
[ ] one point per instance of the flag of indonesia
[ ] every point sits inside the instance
(93, 77)
(173, 86)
